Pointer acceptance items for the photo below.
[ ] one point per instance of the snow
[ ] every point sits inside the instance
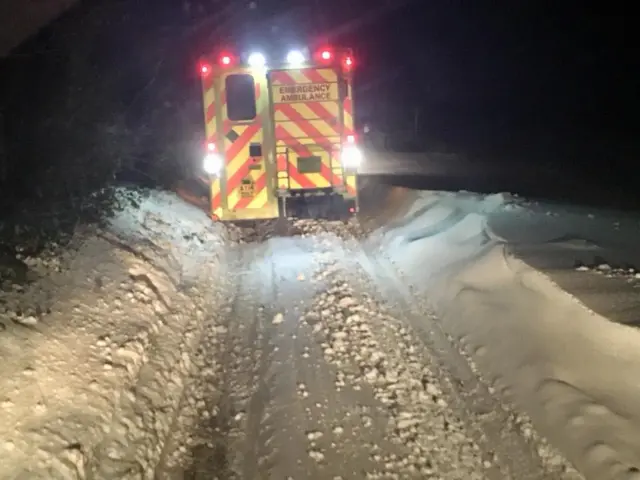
(565, 365)
(118, 325)
(81, 378)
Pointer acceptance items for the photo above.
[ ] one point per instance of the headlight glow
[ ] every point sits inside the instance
(351, 156)
(257, 60)
(295, 57)
(212, 164)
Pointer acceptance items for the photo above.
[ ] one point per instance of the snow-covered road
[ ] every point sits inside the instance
(327, 382)
(165, 346)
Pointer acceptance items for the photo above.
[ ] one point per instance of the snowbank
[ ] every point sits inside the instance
(569, 368)
(95, 352)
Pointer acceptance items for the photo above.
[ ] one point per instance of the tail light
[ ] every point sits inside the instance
(212, 162)
(224, 60)
(351, 155)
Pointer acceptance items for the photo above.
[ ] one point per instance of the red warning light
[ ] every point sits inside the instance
(225, 60)
(205, 69)
(326, 55)
(348, 62)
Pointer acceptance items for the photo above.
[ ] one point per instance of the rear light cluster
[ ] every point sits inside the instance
(224, 60)
(212, 162)
(295, 58)
(351, 155)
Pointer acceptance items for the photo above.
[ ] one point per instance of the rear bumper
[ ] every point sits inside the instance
(318, 206)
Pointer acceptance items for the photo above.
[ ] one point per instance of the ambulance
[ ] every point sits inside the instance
(280, 139)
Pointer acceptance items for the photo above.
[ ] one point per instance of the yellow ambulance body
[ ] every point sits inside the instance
(280, 140)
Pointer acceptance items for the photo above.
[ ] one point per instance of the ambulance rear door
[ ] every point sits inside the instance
(308, 124)
(247, 181)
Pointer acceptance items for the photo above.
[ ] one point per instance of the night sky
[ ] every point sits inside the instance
(557, 79)
(550, 82)
(540, 81)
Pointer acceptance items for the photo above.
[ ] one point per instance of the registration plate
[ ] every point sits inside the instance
(247, 189)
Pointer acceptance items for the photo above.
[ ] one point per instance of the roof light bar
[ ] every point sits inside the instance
(295, 57)
(257, 59)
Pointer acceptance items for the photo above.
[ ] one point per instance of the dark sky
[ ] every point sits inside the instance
(557, 76)
(555, 80)
(554, 74)
(21, 18)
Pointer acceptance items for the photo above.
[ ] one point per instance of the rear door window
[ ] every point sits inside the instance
(241, 97)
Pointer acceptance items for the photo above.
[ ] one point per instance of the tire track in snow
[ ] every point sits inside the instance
(257, 456)
(209, 422)
(232, 441)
